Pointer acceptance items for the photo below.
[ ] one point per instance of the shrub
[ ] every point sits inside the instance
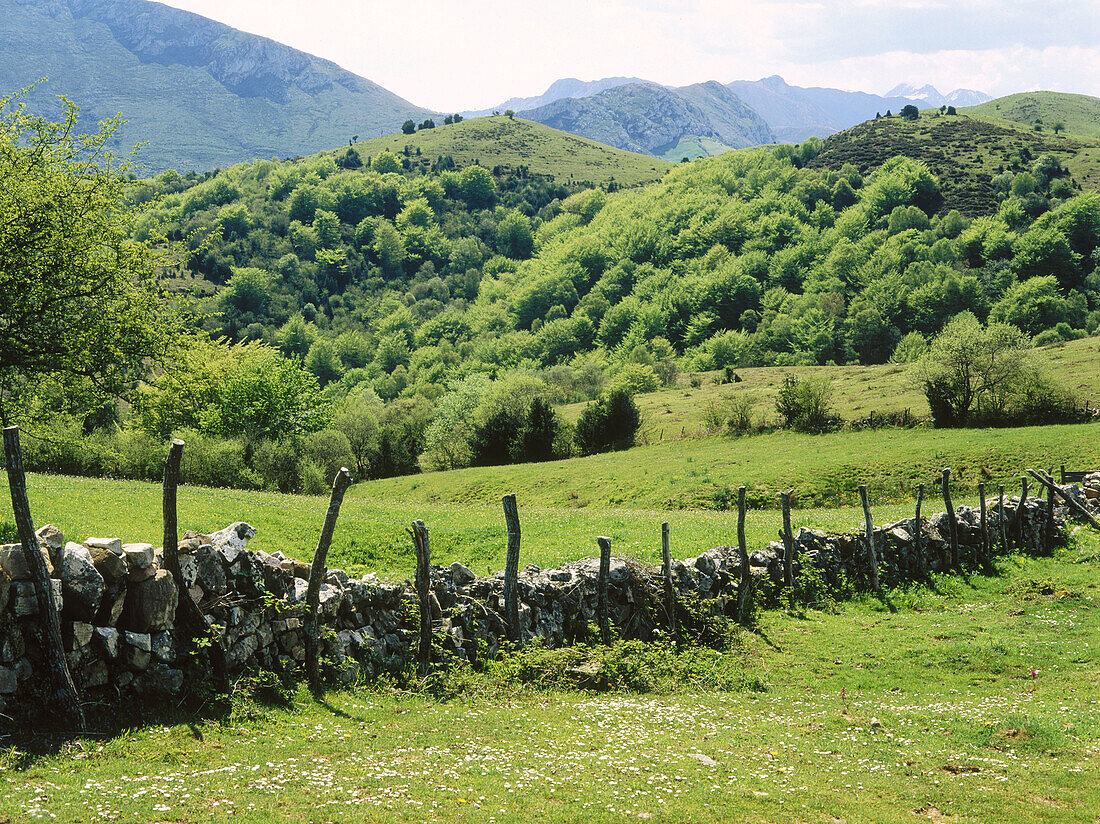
(803, 404)
(611, 422)
(740, 420)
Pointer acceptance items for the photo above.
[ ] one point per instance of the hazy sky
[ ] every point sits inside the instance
(468, 54)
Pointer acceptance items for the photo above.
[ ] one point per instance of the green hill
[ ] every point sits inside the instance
(513, 143)
(1079, 114)
(965, 153)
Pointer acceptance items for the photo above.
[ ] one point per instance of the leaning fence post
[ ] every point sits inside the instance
(1019, 526)
(744, 591)
(317, 574)
(601, 589)
(869, 528)
(952, 522)
(1048, 527)
(511, 568)
(788, 543)
(1001, 517)
(922, 566)
(419, 534)
(189, 615)
(670, 592)
(987, 562)
(64, 690)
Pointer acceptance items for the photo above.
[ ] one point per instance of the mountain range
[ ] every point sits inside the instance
(201, 94)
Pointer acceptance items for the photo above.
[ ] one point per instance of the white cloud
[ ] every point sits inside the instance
(448, 55)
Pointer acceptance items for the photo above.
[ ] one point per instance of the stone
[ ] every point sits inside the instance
(211, 572)
(329, 598)
(51, 539)
(164, 647)
(462, 575)
(14, 563)
(112, 544)
(25, 602)
(13, 647)
(300, 587)
(114, 600)
(112, 567)
(82, 634)
(107, 639)
(137, 575)
(337, 577)
(151, 604)
(9, 683)
(137, 659)
(138, 556)
(141, 640)
(82, 586)
(5, 593)
(231, 541)
(241, 651)
(95, 674)
(189, 566)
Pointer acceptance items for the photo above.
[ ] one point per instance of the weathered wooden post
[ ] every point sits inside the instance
(670, 591)
(1069, 501)
(1001, 517)
(511, 568)
(419, 534)
(602, 582)
(1020, 515)
(869, 529)
(788, 543)
(922, 565)
(987, 554)
(744, 591)
(952, 522)
(188, 614)
(63, 689)
(1048, 522)
(317, 574)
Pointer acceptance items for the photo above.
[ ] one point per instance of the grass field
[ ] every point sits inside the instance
(857, 391)
(973, 702)
(502, 141)
(1079, 113)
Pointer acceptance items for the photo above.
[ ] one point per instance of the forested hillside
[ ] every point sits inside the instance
(402, 312)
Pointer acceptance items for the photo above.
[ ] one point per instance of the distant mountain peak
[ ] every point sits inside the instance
(930, 95)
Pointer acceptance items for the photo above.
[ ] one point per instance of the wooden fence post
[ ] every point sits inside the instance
(788, 543)
(419, 534)
(511, 568)
(670, 591)
(63, 689)
(188, 614)
(1001, 517)
(317, 574)
(987, 554)
(744, 591)
(869, 529)
(1070, 502)
(1048, 523)
(602, 582)
(1019, 525)
(922, 566)
(952, 522)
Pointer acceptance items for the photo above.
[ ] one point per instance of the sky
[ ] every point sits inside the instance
(456, 55)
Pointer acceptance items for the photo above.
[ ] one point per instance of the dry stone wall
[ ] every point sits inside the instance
(118, 604)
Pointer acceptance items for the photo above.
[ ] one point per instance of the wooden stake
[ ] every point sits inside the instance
(317, 574)
(1088, 516)
(952, 521)
(869, 530)
(419, 534)
(744, 591)
(670, 591)
(511, 568)
(64, 691)
(601, 590)
(188, 615)
(922, 566)
(788, 542)
(1048, 524)
(1020, 515)
(1001, 517)
(987, 562)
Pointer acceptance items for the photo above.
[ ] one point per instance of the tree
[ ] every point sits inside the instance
(539, 432)
(910, 112)
(408, 127)
(951, 111)
(79, 300)
(427, 124)
(1058, 126)
(611, 422)
(458, 118)
(510, 114)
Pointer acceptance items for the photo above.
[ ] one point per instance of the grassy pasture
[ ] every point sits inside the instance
(973, 702)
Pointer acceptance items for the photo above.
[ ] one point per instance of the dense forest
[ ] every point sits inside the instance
(398, 312)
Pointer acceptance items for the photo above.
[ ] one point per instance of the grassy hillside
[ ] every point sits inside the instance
(511, 143)
(857, 391)
(1079, 113)
(965, 153)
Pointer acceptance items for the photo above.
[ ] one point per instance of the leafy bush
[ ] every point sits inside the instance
(803, 404)
(611, 422)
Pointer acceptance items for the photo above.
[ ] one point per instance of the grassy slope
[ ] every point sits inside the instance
(669, 414)
(965, 153)
(972, 703)
(1080, 113)
(501, 141)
